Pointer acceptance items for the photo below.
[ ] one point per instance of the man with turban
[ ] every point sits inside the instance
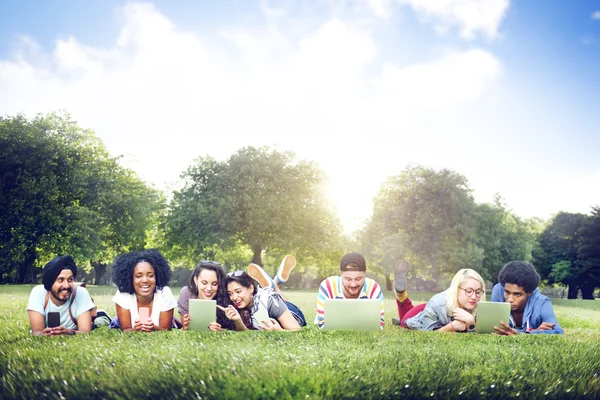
(57, 294)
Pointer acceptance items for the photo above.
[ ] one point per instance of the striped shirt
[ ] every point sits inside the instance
(331, 288)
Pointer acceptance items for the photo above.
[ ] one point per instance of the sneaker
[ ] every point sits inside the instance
(396, 321)
(259, 274)
(101, 321)
(400, 271)
(287, 265)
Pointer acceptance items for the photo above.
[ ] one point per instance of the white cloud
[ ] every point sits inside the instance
(596, 14)
(164, 96)
(469, 16)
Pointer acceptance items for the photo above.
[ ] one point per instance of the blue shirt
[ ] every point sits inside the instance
(537, 310)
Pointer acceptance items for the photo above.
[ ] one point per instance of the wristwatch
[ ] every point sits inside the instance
(471, 327)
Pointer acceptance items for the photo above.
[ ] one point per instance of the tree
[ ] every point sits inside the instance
(62, 192)
(426, 217)
(502, 236)
(556, 254)
(588, 253)
(258, 197)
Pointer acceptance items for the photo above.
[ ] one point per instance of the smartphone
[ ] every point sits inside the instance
(261, 315)
(144, 314)
(53, 319)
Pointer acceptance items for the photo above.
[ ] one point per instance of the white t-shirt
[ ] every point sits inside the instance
(163, 301)
(83, 302)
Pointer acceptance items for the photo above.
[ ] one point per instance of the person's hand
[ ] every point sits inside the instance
(270, 324)
(147, 326)
(545, 326)
(139, 326)
(462, 315)
(215, 327)
(505, 330)
(185, 322)
(231, 312)
(56, 331)
(459, 325)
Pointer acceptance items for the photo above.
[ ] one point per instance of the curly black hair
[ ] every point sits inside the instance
(520, 273)
(245, 280)
(122, 272)
(222, 298)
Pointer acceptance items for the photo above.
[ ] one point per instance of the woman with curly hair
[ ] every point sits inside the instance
(207, 282)
(142, 279)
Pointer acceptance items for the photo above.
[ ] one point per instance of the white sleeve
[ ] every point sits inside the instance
(123, 299)
(168, 301)
(83, 302)
(36, 299)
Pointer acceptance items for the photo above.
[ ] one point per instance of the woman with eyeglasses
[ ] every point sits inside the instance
(207, 282)
(257, 307)
(453, 310)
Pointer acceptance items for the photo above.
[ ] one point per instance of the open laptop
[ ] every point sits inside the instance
(202, 313)
(490, 314)
(358, 314)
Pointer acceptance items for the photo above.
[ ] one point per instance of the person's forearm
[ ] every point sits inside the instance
(239, 326)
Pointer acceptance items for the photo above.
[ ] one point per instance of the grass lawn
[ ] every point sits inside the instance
(308, 364)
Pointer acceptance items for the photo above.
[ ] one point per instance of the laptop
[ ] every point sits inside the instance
(202, 313)
(358, 314)
(490, 314)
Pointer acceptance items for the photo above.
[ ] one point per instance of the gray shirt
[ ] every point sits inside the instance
(434, 316)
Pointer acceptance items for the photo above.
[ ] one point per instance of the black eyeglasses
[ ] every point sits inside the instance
(236, 273)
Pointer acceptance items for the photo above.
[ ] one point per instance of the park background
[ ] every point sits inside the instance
(451, 134)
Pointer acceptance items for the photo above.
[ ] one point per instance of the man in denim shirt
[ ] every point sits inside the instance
(530, 311)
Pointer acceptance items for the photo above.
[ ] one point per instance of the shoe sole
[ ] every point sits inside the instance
(287, 265)
(259, 274)
(400, 271)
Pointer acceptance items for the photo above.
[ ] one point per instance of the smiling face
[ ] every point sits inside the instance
(144, 279)
(352, 283)
(516, 296)
(63, 286)
(207, 284)
(469, 294)
(240, 295)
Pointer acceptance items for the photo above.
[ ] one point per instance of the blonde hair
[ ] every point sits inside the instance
(460, 278)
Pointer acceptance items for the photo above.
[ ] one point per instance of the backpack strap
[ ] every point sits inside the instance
(73, 294)
(72, 301)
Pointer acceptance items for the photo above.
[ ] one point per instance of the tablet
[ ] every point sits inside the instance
(357, 314)
(202, 313)
(490, 314)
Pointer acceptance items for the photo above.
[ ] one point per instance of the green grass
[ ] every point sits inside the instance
(307, 364)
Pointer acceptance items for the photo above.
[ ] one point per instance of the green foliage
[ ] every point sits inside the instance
(567, 252)
(63, 193)
(393, 363)
(260, 198)
(430, 219)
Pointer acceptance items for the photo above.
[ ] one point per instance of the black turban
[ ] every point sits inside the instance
(54, 267)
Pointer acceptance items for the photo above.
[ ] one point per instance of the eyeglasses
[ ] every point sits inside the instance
(236, 273)
(469, 292)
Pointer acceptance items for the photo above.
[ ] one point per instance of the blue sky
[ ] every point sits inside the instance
(504, 92)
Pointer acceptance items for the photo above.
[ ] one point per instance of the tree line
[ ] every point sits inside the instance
(62, 192)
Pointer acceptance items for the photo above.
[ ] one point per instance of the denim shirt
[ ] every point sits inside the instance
(434, 316)
(537, 310)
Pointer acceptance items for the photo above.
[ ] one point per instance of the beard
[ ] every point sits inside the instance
(56, 294)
